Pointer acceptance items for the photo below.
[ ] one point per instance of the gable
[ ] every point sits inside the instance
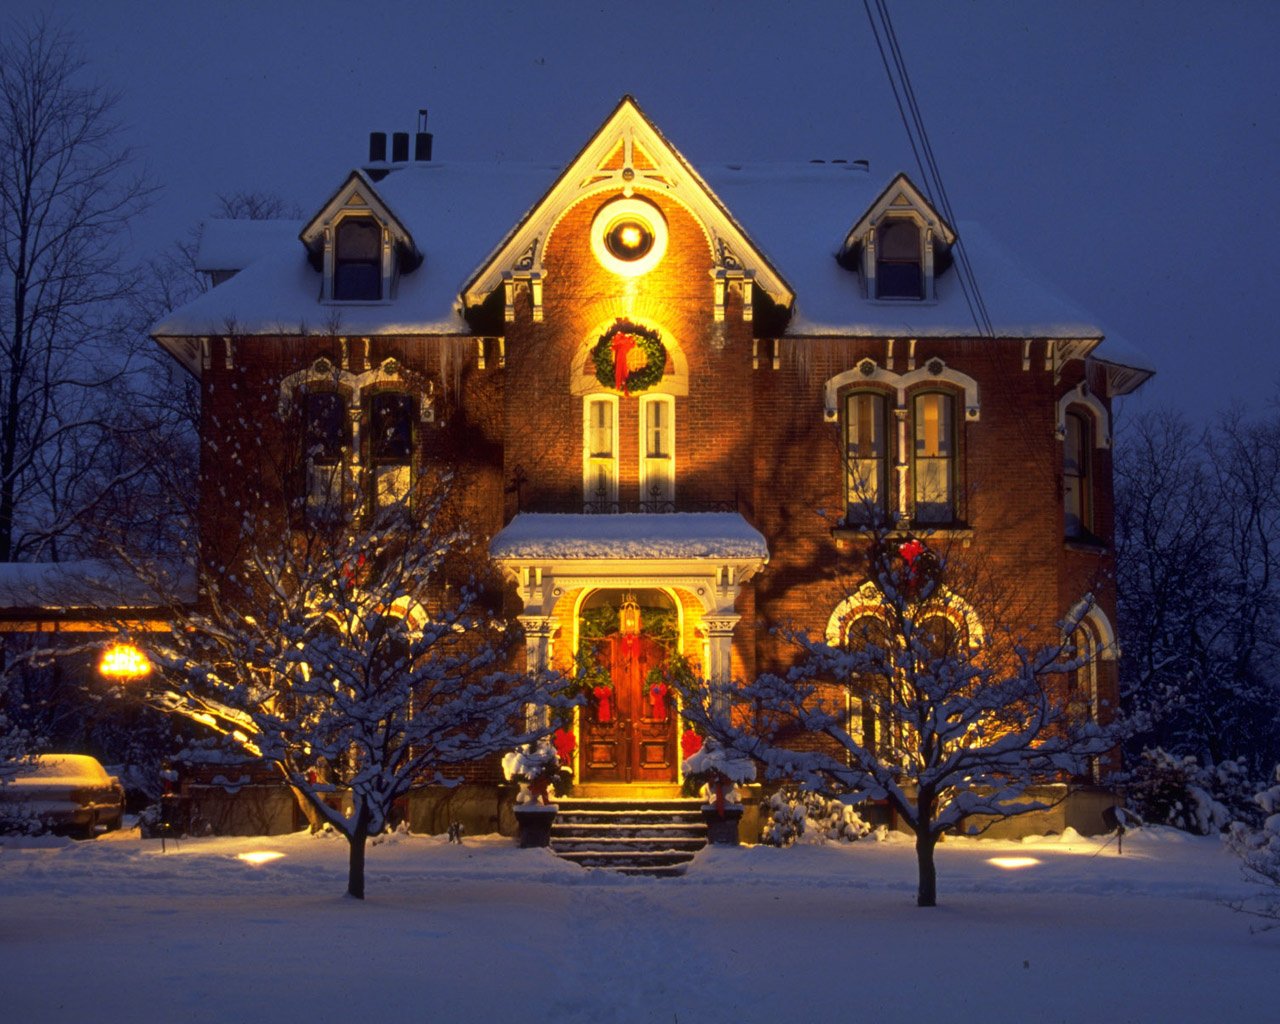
(356, 195)
(900, 197)
(628, 155)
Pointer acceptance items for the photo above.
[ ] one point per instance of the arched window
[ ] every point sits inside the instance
(869, 688)
(357, 260)
(391, 417)
(325, 446)
(1077, 475)
(899, 273)
(866, 455)
(934, 457)
(657, 452)
(599, 452)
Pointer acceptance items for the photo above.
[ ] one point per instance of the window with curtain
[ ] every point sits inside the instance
(934, 458)
(657, 452)
(866, 454)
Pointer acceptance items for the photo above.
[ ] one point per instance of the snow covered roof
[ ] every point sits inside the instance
(796, 216)
(234, 244)
(670, 535)
(84, 585)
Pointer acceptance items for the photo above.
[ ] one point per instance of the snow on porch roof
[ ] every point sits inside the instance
(86, 585)
(629, 535)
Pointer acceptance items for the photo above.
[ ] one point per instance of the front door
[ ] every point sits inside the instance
(629, 737)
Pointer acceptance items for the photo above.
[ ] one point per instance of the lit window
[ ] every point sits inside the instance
(899, 274)
(629, 236)
(657, 464)
(600, 453)
(869, 689)
(326, 440)
(934, 458)
(866, 456)
(391, 418)
(357, 260)
(1077, 495)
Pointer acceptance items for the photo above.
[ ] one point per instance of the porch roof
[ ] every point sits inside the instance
(640, 535)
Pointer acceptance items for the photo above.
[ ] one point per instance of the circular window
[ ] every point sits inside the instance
(629, 236)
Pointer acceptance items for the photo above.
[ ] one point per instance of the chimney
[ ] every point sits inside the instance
(399, 147)
(422, 140)
(377, 147)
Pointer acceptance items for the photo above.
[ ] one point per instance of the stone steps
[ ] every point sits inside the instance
(637, 837)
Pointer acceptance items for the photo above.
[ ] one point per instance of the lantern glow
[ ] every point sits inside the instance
(1013, 863)
(123, 662)
(259, 857)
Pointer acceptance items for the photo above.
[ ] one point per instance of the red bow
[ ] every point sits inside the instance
(563, 741)
(690, 743)
(622, 344)
(658, 701)
(604, 703)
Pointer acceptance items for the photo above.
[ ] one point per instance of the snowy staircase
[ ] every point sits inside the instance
(649, 837)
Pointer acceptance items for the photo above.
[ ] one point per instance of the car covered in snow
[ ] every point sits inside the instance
(64, 793)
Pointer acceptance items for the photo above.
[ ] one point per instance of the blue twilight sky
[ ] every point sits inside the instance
(1127, 149)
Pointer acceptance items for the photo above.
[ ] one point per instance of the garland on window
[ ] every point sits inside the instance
(610, 357)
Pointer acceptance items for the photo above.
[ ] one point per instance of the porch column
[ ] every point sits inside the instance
(719, 670)
(539, 636)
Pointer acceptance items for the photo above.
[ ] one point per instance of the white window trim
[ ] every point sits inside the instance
(645, 402)
(1087, 402)
(588, 484)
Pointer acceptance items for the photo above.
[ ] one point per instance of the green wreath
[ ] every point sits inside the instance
(640, 379)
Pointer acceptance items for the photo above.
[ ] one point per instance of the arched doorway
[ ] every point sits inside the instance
(628, 725)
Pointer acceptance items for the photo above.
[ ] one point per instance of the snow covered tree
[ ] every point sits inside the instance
(358, 659)
(950, 718)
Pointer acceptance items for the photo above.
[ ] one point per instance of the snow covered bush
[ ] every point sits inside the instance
(1169, 789)
(537, 767)
(804, 816)
(718, 771)
(1259, 850)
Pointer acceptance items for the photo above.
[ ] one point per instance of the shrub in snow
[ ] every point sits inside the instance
(803, 816)
(537, 767)
(1259, 849)
(718, 771)
(1175, 790)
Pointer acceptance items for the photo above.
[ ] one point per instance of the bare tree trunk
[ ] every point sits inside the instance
(926, 841)
(355, 863)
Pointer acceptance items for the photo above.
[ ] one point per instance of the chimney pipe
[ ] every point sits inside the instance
(399, 147)
(377, 147)
(422, 147)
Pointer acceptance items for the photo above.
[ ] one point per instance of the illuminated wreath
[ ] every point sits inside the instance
(625, 335)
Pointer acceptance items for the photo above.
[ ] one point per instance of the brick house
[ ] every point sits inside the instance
(800, 360)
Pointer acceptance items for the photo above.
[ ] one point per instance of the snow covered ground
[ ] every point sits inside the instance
(116, 930)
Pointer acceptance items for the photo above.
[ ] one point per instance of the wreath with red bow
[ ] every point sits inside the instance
(610, 357)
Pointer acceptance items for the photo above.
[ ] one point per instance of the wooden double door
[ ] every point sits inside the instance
(629, 736)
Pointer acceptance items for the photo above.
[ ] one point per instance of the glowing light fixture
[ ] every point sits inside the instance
(629, 236)
(259, 857)
(1013, 863)
(123, 662)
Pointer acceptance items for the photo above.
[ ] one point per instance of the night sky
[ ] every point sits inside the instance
(1127, 150)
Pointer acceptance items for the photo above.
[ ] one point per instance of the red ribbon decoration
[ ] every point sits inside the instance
(658, 702)
(538, 787)
(690, 743)
(622, 344)
(604, 703)
(911, 551)
(630, 645)
(720, 781)
(562, 739)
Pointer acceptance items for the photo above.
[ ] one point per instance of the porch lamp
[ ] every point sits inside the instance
(629, 616)
(123, 662)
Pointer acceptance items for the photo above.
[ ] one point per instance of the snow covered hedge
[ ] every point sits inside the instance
(803, 816)
(1169, 789)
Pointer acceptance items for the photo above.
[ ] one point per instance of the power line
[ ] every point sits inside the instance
(913, 123)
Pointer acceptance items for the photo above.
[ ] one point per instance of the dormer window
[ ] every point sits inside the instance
(357, 260)
(899, 264)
